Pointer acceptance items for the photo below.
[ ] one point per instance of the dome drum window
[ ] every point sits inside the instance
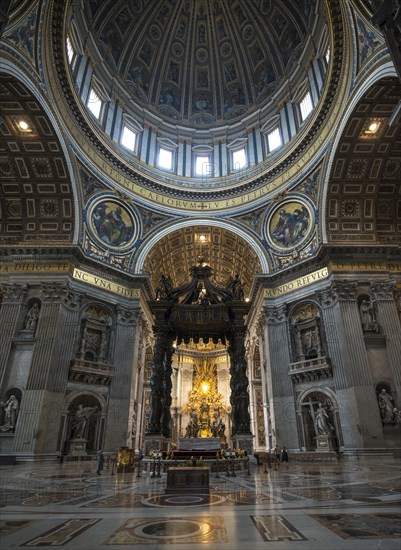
(130, 134)
(97, 99)
(305, 106)
(274, 139)
(166, 154)
(198, 104)
(203, 166)
(238, 158)
(272, 134)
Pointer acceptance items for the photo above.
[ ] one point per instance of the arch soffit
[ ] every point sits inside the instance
(12, 70)
(229, 226)
(77, 393)
(326, 391)
(385, 70)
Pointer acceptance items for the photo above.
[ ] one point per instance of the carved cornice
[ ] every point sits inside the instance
(90, 372)
(311, 370)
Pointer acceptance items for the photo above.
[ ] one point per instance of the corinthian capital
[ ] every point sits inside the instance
(127, 316)
(52, 292)
(327, 297)
(346, 290)
(14, 292)
(275, 315)
(383, 290)
(71, 298)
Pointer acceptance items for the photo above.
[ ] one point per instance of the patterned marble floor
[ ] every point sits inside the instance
(342, 505)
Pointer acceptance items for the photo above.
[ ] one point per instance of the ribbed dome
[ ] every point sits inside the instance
(203, 62)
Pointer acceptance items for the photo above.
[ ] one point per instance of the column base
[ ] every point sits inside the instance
(244, 442)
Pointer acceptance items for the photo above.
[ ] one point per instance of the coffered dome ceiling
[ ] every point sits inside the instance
(203, 62)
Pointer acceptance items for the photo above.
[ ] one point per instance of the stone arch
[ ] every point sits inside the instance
(251, 241)
(84, 416)
(307, 404)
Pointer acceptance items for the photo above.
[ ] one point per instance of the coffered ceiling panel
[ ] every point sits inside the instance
(227, 254)
(36, 200)
(364, 198)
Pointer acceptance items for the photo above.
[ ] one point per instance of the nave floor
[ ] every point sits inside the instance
(311, 506)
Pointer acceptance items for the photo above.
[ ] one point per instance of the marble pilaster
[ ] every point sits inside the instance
(337, 351)
(281, 399)
(13, 296)
(52, 408)
(31, 424)
(390, 323)
(361, 422)
(118, 417)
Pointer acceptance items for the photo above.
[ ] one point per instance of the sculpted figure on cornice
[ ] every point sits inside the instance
(14, 292)
(260, 326)
(383, 290)
(346, 291)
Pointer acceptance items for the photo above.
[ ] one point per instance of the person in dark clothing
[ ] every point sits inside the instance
(284, 456)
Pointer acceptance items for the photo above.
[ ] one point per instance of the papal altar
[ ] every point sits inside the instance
(199, 444)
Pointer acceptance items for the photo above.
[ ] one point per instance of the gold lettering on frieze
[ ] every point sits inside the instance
(100, 282)
(297, 283)
(370, 265)
(34, 267)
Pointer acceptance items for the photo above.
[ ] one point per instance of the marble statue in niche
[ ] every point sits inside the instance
(80, 421)
(368, 315)
(11, 410)
(323, 425)
(386, 405)
(31, 319)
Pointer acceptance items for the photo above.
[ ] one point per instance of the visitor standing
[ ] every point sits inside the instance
(277, 454)
(99, 462)
(284, 456)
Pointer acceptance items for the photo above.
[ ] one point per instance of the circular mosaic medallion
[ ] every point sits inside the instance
(289, 224)
(112, 224)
